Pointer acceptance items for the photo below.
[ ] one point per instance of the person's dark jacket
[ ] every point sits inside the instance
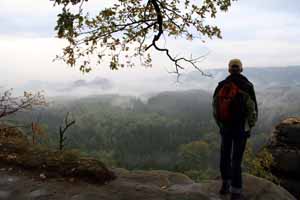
(251, 104)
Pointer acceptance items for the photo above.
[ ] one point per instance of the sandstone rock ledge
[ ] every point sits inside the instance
(132, 185)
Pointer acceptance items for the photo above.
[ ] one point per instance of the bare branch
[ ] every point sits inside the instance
(63, 129)
(176, 61)
(10, 105)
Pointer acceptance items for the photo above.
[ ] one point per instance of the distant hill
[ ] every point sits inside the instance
(190, 104)
(262, 77)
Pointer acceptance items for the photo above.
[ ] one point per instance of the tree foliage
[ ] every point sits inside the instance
(259, 164)
(126, 30)
(130, 134)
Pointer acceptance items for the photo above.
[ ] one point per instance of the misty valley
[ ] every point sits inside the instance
(170, 130)
(149, 100)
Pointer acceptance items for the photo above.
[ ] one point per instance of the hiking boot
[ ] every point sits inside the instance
(237, 196)
(225, 189)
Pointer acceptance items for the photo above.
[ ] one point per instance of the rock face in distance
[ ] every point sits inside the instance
(285, 148)
(133, 185)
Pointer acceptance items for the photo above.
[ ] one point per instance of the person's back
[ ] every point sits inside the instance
(235, 111)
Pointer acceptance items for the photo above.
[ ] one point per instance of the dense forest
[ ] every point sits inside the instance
(169, 130)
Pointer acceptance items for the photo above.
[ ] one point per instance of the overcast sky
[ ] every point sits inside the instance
(260, 32)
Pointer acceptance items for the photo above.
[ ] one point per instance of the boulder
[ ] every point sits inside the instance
(284, 146)
(287, 133)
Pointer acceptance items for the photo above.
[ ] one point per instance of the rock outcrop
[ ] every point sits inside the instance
(132, 185)
(285, 148)
(17, 151)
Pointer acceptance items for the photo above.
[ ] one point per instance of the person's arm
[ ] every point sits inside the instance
(251, 114)
(253, 97)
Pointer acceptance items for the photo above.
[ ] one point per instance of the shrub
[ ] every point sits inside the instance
(259, 164)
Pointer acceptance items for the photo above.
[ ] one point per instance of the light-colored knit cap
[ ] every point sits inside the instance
(237, 62)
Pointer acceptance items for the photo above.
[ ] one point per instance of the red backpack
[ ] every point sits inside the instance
(227, 102)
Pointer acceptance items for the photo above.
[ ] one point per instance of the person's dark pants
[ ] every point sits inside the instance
(232, 149)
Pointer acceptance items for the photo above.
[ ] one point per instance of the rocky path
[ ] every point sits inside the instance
(137, 185)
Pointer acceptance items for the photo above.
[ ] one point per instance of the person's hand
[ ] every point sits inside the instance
(248, 133)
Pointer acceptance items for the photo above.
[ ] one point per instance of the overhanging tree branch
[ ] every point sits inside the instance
(124, 30)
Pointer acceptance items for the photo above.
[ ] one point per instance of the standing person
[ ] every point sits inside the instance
(235, 112)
